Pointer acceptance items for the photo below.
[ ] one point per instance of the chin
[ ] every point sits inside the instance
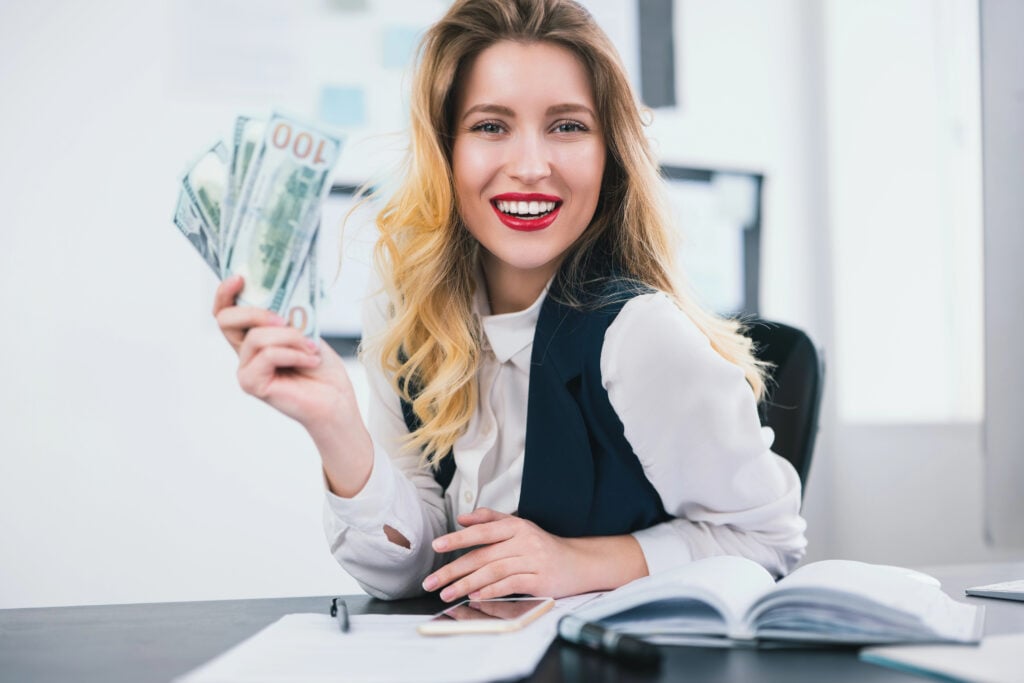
(530, 263)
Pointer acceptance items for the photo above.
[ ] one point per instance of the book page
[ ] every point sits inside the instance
(857, 602)
(705, 596)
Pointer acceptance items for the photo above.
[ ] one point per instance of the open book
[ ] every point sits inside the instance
(730, 600)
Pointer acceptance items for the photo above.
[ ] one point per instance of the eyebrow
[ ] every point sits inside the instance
(502, 110)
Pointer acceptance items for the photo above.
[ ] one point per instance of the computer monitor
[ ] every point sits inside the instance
(347, 239)
(718, 214)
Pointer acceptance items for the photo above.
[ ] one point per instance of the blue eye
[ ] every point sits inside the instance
(571, 127)
(489, 127)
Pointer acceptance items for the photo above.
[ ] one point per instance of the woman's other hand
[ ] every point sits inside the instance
(512, 555)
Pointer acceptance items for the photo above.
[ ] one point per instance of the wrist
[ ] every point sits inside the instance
(607, 562)
(346, 453)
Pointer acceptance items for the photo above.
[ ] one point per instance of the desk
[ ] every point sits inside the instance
(156, 642)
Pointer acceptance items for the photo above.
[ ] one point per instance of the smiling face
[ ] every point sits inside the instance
(528, 159)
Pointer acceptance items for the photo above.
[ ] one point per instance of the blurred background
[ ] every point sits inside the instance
(133, 468)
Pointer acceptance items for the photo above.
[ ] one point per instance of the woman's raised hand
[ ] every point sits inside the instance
(303, 378)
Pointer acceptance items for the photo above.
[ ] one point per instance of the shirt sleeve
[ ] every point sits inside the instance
(692, 420)
(400, 493)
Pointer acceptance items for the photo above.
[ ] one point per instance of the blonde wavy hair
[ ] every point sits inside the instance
(431, 348)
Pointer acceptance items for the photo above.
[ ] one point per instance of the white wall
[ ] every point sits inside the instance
(132, 468)
(904, 169)
(1003, 105)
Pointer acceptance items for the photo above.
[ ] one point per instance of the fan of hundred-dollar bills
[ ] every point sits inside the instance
(254, 210)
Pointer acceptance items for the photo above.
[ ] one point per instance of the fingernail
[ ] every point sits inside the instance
(430, 583)
(275, 319)
(475, 595)
(447, 594)
(440, 544)
(312, 345)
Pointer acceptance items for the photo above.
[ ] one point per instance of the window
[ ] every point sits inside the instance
(905, 184)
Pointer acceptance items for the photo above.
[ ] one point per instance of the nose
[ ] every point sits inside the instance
(529, 160)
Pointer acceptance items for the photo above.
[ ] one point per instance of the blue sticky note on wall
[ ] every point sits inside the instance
(348, 5)
(399, 46)
(342, 105)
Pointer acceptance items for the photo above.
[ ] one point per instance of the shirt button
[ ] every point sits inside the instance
(468, 496)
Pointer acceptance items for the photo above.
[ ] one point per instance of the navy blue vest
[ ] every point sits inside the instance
(580, 475)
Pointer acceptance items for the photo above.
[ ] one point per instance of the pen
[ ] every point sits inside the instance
(601, 639)
(340, 610)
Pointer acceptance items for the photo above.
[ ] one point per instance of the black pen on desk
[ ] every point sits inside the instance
(340, 610)
(601, 639)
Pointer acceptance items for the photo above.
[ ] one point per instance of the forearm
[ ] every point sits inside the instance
(606, 562)
(346, 452)
(336, 427)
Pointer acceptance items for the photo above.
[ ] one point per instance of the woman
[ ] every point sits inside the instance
(550, 414)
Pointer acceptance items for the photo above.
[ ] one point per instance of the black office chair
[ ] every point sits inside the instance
(794, 389)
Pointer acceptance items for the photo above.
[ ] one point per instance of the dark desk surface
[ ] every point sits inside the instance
(157, 642)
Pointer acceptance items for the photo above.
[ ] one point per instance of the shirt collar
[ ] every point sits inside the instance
(509, 335)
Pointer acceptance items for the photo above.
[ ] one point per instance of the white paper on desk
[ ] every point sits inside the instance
(379, 648)
(997, 659)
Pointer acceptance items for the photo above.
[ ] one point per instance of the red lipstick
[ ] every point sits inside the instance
(523, 224)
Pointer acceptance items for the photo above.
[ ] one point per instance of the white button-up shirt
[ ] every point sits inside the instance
(688, 414)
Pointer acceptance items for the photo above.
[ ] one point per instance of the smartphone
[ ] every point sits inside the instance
(497, 615)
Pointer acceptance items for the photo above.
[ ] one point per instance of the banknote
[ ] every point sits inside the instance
(190, 222)
(248, 137)
(277, 193)
(274, 222)
(301, 311)
(203, 183)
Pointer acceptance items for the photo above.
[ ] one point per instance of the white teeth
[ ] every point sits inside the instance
(525, 208)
